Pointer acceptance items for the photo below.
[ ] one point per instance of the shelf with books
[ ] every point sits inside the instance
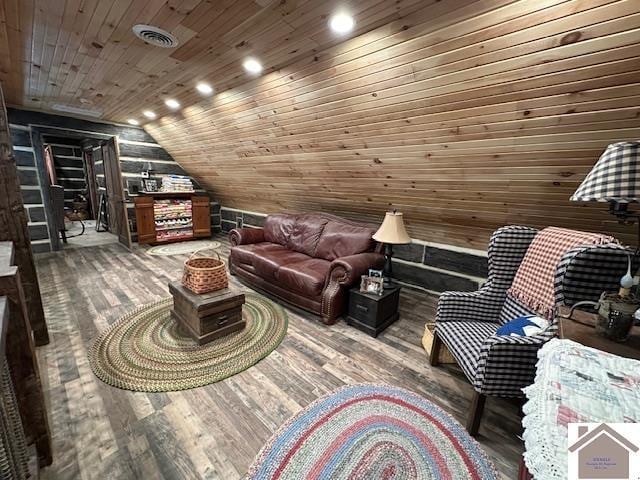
(176, 227)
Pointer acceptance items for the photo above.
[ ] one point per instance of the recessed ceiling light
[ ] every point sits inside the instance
(149, 114)
(133, 121)
(251, 65)
(341, 23)
(171, 103)
(204, 88)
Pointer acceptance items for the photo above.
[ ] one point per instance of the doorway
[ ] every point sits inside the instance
(82, 188)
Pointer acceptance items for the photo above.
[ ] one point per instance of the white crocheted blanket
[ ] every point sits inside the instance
(574, 384)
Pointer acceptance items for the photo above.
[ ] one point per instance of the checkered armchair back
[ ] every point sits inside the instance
(507, 248)
(466, 321)
(585, 272)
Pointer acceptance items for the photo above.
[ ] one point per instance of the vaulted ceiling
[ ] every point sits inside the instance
(82, 53)
(466, 116)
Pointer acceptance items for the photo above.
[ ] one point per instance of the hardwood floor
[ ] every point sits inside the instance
(90, 238)
(214, 432)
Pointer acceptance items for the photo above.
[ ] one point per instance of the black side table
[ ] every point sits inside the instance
(373, 313)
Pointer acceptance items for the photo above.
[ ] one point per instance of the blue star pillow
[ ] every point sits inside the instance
(524, 326)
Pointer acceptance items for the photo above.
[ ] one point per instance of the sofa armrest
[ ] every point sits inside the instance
(483, 305)
(348, 270)
(244, 236)
(343, 273)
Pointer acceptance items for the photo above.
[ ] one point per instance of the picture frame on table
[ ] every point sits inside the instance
(375, 273)
(372, 285)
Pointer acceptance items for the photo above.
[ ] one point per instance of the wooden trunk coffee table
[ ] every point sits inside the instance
(208, 316)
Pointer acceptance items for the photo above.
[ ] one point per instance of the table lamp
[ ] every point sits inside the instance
(391, 232)
(615, 178)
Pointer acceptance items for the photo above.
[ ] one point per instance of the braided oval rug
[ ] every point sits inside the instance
(372, 431)
(147, 351)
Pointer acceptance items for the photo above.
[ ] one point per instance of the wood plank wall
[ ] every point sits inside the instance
(30, 188)
(466, 115)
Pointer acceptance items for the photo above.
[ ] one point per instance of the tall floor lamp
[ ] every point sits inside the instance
(391, 232)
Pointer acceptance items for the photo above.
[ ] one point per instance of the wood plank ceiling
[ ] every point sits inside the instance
(82, 53)
(466, 115)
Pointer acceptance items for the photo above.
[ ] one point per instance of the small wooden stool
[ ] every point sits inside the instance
(208, 316)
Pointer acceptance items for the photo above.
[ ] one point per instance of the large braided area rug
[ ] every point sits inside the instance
(372, 432)
(183, 247)
(147, 351)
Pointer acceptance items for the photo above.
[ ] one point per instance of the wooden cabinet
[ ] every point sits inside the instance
(145, 222)
(172, 217)
(373, 313)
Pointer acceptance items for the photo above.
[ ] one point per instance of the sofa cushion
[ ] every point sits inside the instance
(246, 253)
(306, 277)
(306, 233)
(341, 240)
(267, 263)
(278, 228)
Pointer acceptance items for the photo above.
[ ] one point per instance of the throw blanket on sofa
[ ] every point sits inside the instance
(533, 284)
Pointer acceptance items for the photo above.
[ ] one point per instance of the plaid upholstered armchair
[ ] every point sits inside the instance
(466, 322)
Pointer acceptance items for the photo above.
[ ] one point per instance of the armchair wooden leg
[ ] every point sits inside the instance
(435, 350)
(477, 406)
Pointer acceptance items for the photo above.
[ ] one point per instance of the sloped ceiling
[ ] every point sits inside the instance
(82, 53)
(464, 115)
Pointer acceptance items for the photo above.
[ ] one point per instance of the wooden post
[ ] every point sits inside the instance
(13, 445)
(13, 228)
(22, 360)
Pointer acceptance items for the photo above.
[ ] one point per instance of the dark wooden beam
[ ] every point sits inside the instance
(13, 228)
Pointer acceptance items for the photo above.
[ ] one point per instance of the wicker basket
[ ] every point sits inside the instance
(427, 343)
(204, 274)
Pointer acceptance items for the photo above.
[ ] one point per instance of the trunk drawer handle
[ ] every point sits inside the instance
(223, 319)
(363, 308)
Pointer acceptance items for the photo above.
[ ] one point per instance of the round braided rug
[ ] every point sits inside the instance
(182, 247)
(372, 431)
(147, 351)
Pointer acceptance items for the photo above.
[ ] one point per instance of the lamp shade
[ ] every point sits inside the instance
(614, 178)
(392, 230)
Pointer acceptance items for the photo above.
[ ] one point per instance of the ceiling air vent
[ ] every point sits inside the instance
(155, 36)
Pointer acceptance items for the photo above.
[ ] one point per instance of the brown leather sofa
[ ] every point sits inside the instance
(309, 260)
